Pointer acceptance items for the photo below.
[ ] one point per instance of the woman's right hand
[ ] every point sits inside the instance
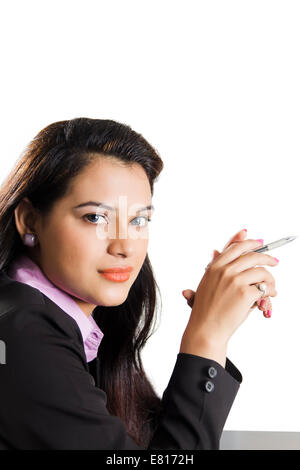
(226, 294)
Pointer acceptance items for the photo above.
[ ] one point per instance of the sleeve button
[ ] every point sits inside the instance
(212, 372)
(209, 386)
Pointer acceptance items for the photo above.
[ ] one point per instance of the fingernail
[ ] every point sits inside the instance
(276, 259)
(260, 240)
(245, 229)
(267, 314)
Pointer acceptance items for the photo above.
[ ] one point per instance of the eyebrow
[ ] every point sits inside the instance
(105, 206)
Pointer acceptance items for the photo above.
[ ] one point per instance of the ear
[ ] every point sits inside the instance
(24, 217)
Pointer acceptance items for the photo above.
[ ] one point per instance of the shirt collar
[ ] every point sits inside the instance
(24, 269)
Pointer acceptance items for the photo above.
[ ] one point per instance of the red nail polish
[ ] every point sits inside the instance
(276, 259)
(267, 314)
(260, 240)
(245, 229)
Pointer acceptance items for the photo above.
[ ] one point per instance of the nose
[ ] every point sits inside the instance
(121, 247)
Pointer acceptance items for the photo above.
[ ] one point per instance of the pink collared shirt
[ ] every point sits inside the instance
(23, 269)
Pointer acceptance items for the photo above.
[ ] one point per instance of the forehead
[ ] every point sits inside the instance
(106, 180)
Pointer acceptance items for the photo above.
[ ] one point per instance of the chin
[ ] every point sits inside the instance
(112, 301)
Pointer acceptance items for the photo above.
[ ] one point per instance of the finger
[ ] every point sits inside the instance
(188, 293)
(261, 303)
(191, 302)
(265, 304)
(250, 260)
(235, 250)
(269, 305)
(268, 310)
(237, 237)
(257, 294)
(215, 255)
(266, 307)
(255, 276)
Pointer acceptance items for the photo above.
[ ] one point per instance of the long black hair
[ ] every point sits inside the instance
(43, 174)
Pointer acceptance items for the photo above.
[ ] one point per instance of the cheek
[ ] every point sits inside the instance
(141, 251)
(73, 257)
(71, 242)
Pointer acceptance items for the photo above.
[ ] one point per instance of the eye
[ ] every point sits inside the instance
(93, 215)
(146, 219)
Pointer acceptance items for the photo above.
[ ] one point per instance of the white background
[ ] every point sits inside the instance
(214, 87)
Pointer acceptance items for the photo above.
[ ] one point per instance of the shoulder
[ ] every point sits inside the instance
(41, 345)
(42, 318)
(29, 319)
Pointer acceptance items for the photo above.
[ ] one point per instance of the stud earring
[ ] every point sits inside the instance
(29, 239)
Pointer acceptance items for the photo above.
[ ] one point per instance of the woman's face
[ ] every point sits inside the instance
(75, 243)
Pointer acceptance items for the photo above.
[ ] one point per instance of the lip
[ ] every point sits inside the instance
(116, 276)
(117, 269)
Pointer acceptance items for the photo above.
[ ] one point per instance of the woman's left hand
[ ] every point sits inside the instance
(264, 304)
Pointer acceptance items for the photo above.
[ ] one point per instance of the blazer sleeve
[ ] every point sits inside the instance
(49, 400)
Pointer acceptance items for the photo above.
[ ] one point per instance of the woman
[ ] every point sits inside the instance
(78, 203)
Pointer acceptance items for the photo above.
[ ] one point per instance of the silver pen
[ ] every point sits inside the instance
(277, 244)
(271, 246)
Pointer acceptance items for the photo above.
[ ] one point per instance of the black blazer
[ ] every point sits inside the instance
(50, 398)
